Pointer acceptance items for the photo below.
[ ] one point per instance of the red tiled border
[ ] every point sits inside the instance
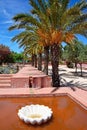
(77, 101)
(79, 96)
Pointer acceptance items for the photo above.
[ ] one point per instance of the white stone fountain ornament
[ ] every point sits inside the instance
(35, 114)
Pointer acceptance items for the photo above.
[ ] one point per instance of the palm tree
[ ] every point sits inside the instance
(27, 37)
(56, 22)
(29, 40)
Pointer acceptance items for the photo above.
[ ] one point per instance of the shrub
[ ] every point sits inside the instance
(8, 70)
(70, 65)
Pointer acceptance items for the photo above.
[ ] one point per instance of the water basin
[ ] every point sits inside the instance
(67, 114)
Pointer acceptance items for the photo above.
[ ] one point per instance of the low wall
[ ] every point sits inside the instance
(41, 82)
(29, 76)
(19, 82)
(24, 82)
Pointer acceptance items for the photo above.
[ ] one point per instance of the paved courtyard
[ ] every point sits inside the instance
(69, 78)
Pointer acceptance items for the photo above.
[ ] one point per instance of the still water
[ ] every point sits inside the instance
(67, 114)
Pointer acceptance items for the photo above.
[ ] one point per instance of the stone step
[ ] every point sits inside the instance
(4, 81)
(5, 78)
(7, 85)
(5, 75)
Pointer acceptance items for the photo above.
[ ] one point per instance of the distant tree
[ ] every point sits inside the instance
(67, 55)
(14, 57)
(82, 56)
(4, 49)
(17, 57)
(4, 52)
(75, 53)
(9, 58)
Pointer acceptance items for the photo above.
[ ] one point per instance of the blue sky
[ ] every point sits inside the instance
(9, 8)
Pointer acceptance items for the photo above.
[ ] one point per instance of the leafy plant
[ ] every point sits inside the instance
(8, 69)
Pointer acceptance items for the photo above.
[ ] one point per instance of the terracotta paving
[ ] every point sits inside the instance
(77, 94)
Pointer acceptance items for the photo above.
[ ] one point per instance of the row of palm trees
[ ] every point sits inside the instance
(50, 23)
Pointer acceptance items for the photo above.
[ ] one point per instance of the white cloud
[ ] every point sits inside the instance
(6, 13)
(8, 22)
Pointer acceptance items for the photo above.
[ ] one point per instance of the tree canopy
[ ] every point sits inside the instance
(55, 22)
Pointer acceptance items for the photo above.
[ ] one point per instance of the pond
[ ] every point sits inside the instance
(67, 114)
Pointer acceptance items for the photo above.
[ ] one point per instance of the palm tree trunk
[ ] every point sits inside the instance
(81, 69)
(32, 62)
(46, 53)
(55, 49)
(35, 59)
(76, 67)
(40, 61)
